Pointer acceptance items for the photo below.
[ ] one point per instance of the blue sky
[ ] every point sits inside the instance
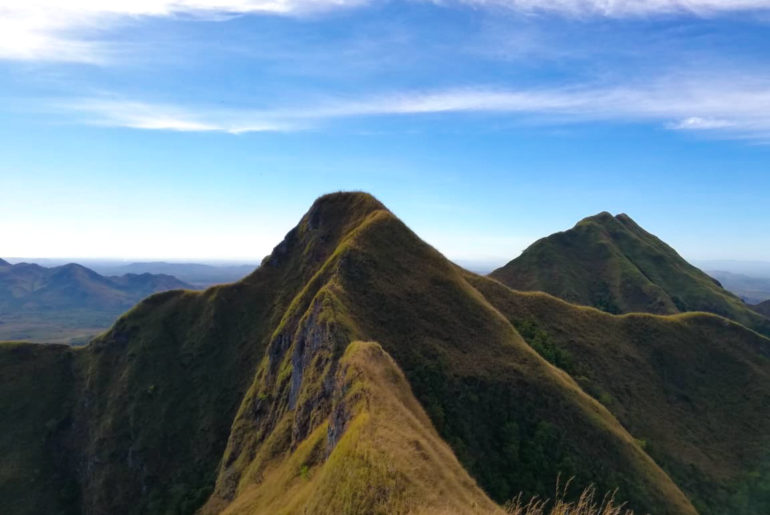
(204, 129)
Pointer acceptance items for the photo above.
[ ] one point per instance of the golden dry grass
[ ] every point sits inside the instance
(389, 458)
(587, 504)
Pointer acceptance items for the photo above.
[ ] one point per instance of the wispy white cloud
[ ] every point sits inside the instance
(73, 30)
(69, 30)
(142, 115)
(698, 123)
(625, 8)
(736, 108)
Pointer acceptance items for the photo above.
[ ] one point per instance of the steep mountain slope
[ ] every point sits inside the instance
(483, 387)
(263, 396)
(611, 263)
(36, 395)
(763, 308)
(674, 382)
(44, 303)
(381, 438)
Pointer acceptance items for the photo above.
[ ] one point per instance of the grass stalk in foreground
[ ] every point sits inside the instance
(586, 504)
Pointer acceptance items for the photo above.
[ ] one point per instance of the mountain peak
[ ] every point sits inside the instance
(623, 217)
(3, 262)
(604, 216)
(607, 219)
(611, 263)
(341, 207)
(325, 224)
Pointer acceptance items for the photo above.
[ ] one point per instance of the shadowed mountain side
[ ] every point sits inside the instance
(613, 264)
(763, 308)
(37, 387)
(674, 382)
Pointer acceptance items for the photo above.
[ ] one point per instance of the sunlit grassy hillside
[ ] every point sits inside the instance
(611, 263)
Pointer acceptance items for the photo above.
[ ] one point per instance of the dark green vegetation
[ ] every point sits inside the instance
(763, 308)
(262, 397)
(752, 290)
(69, 303)
(693, 389)
(611, 263)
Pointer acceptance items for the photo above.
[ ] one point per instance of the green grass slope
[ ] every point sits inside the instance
(611, 263)
(387, 457)
(694, 388)
(249, 396)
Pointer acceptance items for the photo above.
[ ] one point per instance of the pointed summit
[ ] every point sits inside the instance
(342, 207)
(4, 263)
(322, 228)
(605, 217)
(611, 263)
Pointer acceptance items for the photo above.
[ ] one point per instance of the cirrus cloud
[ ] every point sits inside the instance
(738, 108)
(74, 30)
(55, 30)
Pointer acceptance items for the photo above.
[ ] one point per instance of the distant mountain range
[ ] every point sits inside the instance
(734, 266)
(69, 301)
(196, 274)
(751, 289)
(357, 370)
(611, 263)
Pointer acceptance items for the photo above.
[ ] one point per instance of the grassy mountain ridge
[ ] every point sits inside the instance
(260, 393)
(611, 263)
(673, 382)
(340, 304)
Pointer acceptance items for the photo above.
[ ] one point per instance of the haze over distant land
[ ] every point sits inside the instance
(760, 269)
(751, 289)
